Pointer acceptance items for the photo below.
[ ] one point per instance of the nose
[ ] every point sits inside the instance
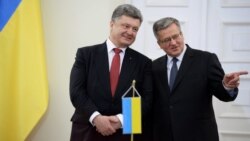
(172, 41)
(130, 31)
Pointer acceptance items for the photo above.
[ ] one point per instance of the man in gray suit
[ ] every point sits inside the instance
(183, 109)
(96, 91)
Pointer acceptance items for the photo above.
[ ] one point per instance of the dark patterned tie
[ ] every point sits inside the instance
(173, 73)
(115, 70)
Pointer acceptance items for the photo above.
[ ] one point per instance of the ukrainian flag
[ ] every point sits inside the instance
(131, 108)
(23, 77)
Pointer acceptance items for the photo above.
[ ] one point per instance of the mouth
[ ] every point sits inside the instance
(128, 37)
(174, 48)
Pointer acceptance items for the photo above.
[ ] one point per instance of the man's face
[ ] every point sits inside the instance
(171, 40)
(123, 31)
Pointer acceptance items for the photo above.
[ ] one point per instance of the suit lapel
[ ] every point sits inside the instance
(163, 73)
(102, 64)
(127, 70)
(185, 65)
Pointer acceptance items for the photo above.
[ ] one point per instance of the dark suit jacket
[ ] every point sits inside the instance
(90, 85)
(186, 114)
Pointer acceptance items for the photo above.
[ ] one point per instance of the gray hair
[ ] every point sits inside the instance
(127, 10)
(163, 24)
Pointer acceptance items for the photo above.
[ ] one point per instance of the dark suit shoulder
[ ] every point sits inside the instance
(137, 54)
(159, 60)
(199, 55)
(89, 51)
(200, 52)
(91, 48)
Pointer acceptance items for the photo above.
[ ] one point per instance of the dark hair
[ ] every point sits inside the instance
(127, 10)
(164, 23)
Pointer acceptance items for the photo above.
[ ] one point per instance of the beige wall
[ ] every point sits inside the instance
(68, 25)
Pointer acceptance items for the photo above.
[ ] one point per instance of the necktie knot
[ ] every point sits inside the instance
(117, 50)
(174, 60)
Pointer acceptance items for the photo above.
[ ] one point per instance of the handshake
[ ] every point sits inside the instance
(107, 125)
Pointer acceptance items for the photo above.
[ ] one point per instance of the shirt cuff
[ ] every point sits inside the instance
(230, 91)
(120, 117)
(93, 116)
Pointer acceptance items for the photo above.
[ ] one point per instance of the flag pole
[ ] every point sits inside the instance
(132, 137)
(133, 95)
(133, 85)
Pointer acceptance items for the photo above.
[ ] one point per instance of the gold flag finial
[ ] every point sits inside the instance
(133, 83)
(133, 86)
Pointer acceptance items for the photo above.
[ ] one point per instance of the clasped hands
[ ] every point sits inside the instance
(232, 80)
(106, 125)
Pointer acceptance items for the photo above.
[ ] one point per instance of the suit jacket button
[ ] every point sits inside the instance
(171, 107)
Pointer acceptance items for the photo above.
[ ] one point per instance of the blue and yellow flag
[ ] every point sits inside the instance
(23, 77)
(131, 110)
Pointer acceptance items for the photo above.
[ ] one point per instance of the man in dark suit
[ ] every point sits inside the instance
(97, 100)
(183, 109)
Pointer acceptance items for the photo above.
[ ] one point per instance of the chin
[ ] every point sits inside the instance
(128, 43)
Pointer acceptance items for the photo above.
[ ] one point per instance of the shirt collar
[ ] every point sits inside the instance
(180, 57)
(111, 46)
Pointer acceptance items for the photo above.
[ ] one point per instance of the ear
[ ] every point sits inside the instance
(111, 23)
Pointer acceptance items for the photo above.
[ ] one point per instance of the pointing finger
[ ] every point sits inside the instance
(241, 73)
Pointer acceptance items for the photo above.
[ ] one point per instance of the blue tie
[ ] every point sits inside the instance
(173, 73)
